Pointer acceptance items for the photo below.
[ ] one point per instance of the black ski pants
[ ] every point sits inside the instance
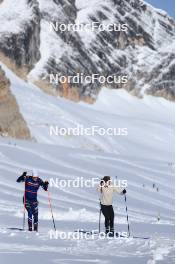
(108, 213)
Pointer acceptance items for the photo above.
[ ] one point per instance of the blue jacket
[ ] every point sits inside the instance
(32, 187)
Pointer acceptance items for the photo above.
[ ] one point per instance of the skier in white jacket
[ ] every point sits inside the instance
(107, 190)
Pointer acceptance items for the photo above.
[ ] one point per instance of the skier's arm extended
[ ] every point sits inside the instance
(119, 190)
(44, 184)
(22, 177)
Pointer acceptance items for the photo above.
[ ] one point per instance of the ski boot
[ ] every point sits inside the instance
(36, 227)
(107, 230)
(111, 233)
(29, 225)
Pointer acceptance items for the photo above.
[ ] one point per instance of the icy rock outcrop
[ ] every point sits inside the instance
(11, 121)
(20, 35)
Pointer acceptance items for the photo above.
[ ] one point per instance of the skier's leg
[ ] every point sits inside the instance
(35, 216)
(105, 212)
(111, 212)
(29, 210)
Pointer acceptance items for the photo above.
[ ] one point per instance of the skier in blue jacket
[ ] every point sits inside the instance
(32, 184)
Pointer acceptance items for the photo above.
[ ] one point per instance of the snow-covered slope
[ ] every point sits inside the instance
(143, 158)
(115, 109)
(79, 208)
(12, 18)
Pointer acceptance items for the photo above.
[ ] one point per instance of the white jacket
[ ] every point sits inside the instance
(107, 193)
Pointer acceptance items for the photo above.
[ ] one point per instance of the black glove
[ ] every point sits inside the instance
(102, 183)
(22, 177)
(46, 184)
(124, 191)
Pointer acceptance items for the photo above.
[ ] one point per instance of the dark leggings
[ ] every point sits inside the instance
(108, 213)
(32, 209)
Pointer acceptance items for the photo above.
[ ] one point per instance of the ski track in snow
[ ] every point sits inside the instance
(85, 215)
(144, 157)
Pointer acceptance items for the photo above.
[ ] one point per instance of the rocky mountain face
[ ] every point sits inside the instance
(11, 121)
(145, 52)
(19, 35)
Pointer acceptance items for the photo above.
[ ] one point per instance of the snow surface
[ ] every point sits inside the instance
(13, 16)
(51, 46)
(152, 20)
(144, 157)
(90, 8)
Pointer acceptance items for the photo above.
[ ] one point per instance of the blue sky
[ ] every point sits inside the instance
(167, 5)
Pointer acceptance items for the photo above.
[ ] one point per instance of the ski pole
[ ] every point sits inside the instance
(50, 205)
(99, 223)
(127, 217)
